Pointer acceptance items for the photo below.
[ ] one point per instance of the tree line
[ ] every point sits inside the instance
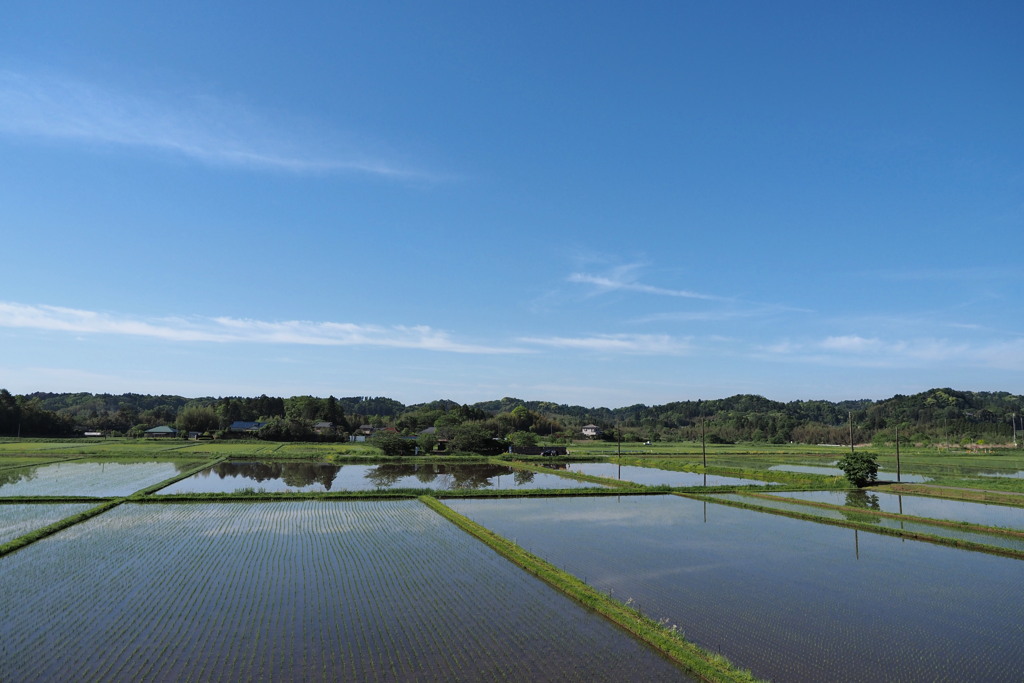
(934, 416)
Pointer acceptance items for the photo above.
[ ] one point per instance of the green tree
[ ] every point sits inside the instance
(860, 468)
(426, 442)
(195, 418)
(522, 439)
(391, 443)
(472, 437)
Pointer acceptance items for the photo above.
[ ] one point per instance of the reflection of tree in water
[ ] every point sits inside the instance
(862, 500)
(426, 473)
(522, 477)
(475, 476)
(456, 476)
(13, 476)
(385, 476)
(294, 474)
(302, 474)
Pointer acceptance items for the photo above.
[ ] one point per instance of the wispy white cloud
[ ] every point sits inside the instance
(198, 127)
(877, 352)
(238, 330)
(623, 279)
(647, 344)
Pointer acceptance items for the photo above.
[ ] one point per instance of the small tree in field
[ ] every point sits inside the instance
(860, 468)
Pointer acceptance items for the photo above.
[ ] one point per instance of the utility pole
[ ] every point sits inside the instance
(850, 417)
(897, 453)
(703, 447)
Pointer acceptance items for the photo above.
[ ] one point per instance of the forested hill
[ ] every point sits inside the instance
(938, 414)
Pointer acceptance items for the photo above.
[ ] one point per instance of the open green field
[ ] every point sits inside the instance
(158, 448)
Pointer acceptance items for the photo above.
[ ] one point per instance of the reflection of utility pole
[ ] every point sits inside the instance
(856, 544)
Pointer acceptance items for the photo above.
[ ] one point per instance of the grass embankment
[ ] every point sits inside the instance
(868, 524)
(706, 665)
(959, 492)
(1007, 485)
(948, 523)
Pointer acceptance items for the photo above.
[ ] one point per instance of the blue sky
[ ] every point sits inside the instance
(593, 203)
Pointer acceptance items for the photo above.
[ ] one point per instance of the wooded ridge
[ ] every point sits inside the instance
(938, 415)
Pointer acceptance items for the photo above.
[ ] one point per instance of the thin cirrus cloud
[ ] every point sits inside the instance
(619, 282)
(646, 344)
(201, 128)
(236, 330)
(860, 351)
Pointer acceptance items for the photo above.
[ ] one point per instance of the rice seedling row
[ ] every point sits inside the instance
(20, 518)
(791, 600)
(369, 591)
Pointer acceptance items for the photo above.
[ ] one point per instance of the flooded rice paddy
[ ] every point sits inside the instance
(863, 515)
(789, 599)
(273, 477)
(650, 476)
(17, 519)
(305, 590)
(92, 477)
(388, 590)
(836, 472)
(920, 506)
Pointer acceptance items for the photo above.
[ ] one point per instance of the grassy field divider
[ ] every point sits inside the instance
(50, 529)
(974, 495)
(865, 526)
(948, 523)
(706, 665)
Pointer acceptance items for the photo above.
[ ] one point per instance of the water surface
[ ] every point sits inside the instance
(650, 476)
(790, 599)
(920, 506)
(228, 477)
(294, 591)
(92, 477)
